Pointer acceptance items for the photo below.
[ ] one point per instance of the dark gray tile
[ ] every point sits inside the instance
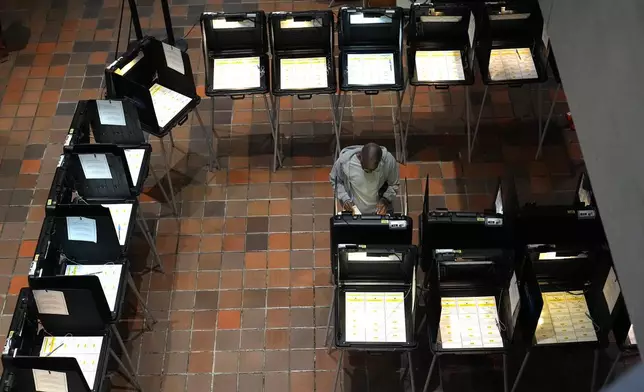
(54, 83)
(206, 300)
(257, 225)
(5, 197)
(106, 23)
(82, 46)
(60, 59)
(214, 208)
(21, 197)
(24, 60)
(256, 242)
(95, 70)
(92, 82)
(66, 109)
(302, 259)
(79, 58)
(228, 340)
(254, 299)
(101, 46)
(34, 151)
(17, 214)
(10, 167)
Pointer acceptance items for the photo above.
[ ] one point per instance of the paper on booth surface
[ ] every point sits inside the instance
(236, 73)
(375, 317)
(121, 214)
(370, 69)
(611, 290)
(469, 322)
(512, 64)
(395, 327)
(49, 381)
(303, 73)
(51, 302)
(81, 229)
(471, 29)
(109, 275)
(173, 58)
(95, 166)
(514, 293)
(128, 66)
(134, 158)
(439, 65)
(167, 103)
(631, 335)
(110, 112)
(355, 317)
(564, 319)
(85, 349)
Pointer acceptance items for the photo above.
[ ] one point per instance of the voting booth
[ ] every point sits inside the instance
(52, 347)
(235, 52)
(371, 57)
(472, 298)
(98, 174)
(509, 50)
(302, 61)
(440, 53)
(374, 302)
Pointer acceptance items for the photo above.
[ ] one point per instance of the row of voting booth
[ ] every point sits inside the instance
(532, 280)
(64, 332)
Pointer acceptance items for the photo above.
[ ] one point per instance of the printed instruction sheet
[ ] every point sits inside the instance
(439, 65)
(108, 274)
(167, 103)
(565, 319)
(375, 317)
(512, 64)
(121, 215)
(238, 73)
(370, 69)
(86, 350)
(469, 322)
(303, 73)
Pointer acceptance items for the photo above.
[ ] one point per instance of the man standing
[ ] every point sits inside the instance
(365, 178)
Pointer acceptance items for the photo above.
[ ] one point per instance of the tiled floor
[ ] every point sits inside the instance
(246, 294)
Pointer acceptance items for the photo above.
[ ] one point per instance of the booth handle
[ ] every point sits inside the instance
(442, 87)
(515, 85)
(304, 96)
(236, 97)
(372, 92)
(183, 120)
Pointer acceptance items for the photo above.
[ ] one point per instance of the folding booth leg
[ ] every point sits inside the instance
(593, 379)
(539, 107)
(168, 174)
(542, 132)
(470, 143)
(395, 118)
(277, 154)
(126, 355)
(521, 369)
(341, 103)
(337, 371)
(171, 141)
(143, 225)
(612, 368)
(213, 164)
(412, 97)
(468, 112)
(328, 325)
(429, 374)
(163, 191)
(273, 118)
(148, 315)
(411, 371)
(334, 117)
(505, 372)
(131, 377)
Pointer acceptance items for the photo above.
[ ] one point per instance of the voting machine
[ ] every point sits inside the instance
(52, 347)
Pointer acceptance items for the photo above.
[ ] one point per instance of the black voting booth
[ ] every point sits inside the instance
(371, 57)
(98, 174)
(374, 301)
(440, 53)
(302, 62)
(235, 51)
(567, 282)
(509, 50)
(471, 300)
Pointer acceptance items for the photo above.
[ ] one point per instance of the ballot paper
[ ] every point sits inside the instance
(236, 73)
(110, 112)
(611, 290)
(471, 29)
(85, 349)
(469, 322)
(121, 215)
(303, 73)
(49, 381)
(439, 65)
(564, 319)
(95, 166)
(631, 336)
(134, 158)
(51, 302)
(370, 69)
(81, 229)
(167, 103)
(173, 58)
(375, 317)
(108, 274)
(128, 66)
(512, 64)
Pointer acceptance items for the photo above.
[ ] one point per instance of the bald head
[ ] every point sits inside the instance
(370, 157)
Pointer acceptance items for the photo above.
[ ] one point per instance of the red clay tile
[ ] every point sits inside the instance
(279, 278)
(280, 207)
(211, 243)
(229, 319)
(238, 176)
(207, 280)
(279, 241)
(302, 241)
(27, 248)
(200, 362)
(231, 279)
(435, 187)
(277, 339)
(277, 318)
(255, 279)
(258, 176)
(255, 260)
(258, 208)
(302, 278)
(279, 259)
(18, 282)
(235, 225)
(30, 166)
(234, 243)
(185, 280)
(27, 110)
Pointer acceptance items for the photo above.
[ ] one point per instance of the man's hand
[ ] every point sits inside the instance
(381, 207)
(348, 206)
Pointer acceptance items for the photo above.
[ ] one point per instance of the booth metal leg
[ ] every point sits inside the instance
(126, 355)
(505, 372)
(340, 105)
(542, 132)
(612, 368)
(521, 369)
(472, 141)
(131, 377)
(539, 107)
(163, 191)
(171, 140)
(333, 101)
(429, 374)
(398, 129)
(593, 379)
(148, 315)
(277, 152)
(411, 371)
(412, 97)
(213, 164)
(328, 326)
(468, 111)
(145, 229)
(337, 371)
(168, 174)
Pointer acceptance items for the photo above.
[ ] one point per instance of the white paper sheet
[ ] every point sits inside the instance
(167, 103)
(128, 66)
(236, 73)
(85, 349)
(611, 290)
(173, 58)
(439, 65)
(121, 215)
(110, 112)
(51, 302)
(371, 69)
(134, 158)
(49, 381)
(469, 322)
(545, 38)
(375, 317)
(512, 64)
(631, 336)
(109, 275)
(303, 73)
(95, 166)
(514, 293)
(564, 319)
(471, 29)
(362, 256)
(498, 202)
(81, 229)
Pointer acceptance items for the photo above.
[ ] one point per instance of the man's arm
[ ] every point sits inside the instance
(336, 177)
(393, 179)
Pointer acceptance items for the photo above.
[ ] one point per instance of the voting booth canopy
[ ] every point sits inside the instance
(376, 297)
(235, 49)
(370, 42)
(302, 50)
(158, 79)
(440, 43)
(53, 358)
(510, 45)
